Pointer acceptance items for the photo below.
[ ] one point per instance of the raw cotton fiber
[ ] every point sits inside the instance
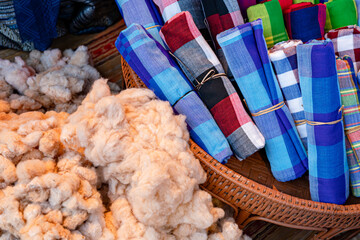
(160, 73)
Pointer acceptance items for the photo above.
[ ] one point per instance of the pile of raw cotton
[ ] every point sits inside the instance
(46, 81)
(53, 167)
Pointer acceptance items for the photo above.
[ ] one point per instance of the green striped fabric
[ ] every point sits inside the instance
(301, 1)
(340, 13)
(272, 19)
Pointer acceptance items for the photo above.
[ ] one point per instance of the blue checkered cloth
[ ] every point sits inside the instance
(328, 167)
(143, 12)
(246, 52)
(160, 73)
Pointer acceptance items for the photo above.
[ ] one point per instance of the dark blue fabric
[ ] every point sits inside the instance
(306, 31)
(36, 20)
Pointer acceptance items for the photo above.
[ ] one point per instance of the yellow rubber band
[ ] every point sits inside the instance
(270, 109)
(152, 27)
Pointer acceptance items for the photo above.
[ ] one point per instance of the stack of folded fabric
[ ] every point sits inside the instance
(244, 5)
(221, 15)
(305, 21)
(28, 25)
(340, 13)
(142, 12)
(273, 21)
(160, 73)
(346, 42)
(245, 50)
(214, 88)
(328, 167)
(169, 9)
(349, 89)
(284, 59)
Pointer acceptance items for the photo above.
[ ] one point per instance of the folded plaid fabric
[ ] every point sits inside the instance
(273, 21)
(305, 21)
(284, 59)
(346, 41)
(328, 168)
(221, 15)
(160, 73)
(170, 8)
(340, 13)
(245, 50)
(218, 94)
(142, 12)
(28, 24)
(349, 90)
(244, 5)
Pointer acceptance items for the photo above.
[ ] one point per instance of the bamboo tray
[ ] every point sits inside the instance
(253, 201)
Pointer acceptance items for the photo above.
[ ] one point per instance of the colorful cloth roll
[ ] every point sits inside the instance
(273, 21)
(305, 21)
(161, 74)
(346, 41)
(170, 8)
(284, 59)
(340, 13)
(244, 5)
(217, 92)
(257, 81)
(142, 12)
(349, 90)
(328, 167)
(221, 15)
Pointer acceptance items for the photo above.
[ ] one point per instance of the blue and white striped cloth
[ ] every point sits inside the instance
(246, 52)
(160, 73)
(284, 60)
(328, 167)
(143, 12)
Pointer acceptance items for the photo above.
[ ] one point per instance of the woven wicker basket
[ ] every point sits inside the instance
(253, 201)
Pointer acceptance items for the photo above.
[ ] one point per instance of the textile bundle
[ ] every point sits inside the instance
(284, 59)
(305, 21)
(244, 5)
(28, 24)
(169, 9)
(273, 21)
(349, 90)
(87, 16)
(256, 79)
(328, 168)
(217, 92)
(346, 41)
(340, 13)
(160, 73)
(142, 12)
(221, 15)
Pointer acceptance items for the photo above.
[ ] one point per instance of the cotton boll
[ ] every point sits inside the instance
(7, 171)
(29, 169)
(18, 102)
(80, 57)
(50, 58)
(4, 106)
(49, 144)
(5, 89)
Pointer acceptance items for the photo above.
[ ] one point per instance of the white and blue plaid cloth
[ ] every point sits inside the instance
(246, 52)
(160, 73)
(284, 59)
(328, 167)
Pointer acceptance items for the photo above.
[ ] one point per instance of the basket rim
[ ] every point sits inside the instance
(257, 188)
